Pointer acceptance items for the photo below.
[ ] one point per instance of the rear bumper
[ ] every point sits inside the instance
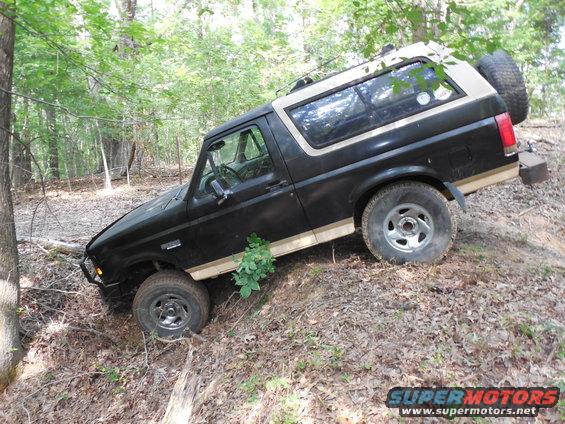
(533, 169)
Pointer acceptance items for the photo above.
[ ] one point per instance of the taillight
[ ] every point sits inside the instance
(506, 132)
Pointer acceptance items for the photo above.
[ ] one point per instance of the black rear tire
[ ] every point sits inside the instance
(170, 302)
(408, 222)
(500, 70)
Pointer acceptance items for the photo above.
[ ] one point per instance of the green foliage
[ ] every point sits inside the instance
(526, 330)
(193, 67)
(112, 374)
(288, 413)
(63, 396)
(561, 351)
(251, 386)
(528, 30)
(316, 271)
(276, 383)
(257, 262)
(546, 271)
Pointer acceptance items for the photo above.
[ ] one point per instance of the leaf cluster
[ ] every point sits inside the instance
(256, 264)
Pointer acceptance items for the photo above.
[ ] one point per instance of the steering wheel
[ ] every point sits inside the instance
(232, 171)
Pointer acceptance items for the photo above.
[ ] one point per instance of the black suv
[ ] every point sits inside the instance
(383, 146)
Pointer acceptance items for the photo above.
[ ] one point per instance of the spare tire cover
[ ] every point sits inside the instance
(500, 70)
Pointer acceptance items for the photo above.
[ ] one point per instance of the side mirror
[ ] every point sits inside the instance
(221, 194)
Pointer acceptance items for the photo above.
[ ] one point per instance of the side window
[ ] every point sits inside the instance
(238, 157)
(255, 145)
(370, 104)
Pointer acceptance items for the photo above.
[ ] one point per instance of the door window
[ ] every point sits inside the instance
(238, 157)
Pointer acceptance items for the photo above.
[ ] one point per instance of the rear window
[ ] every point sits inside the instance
(375, 102)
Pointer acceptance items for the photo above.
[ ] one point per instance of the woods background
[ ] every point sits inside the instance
(118, 81)
(105, 88)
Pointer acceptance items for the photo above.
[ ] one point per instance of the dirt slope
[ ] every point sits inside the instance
(323, 341)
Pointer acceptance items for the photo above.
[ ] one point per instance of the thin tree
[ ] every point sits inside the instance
(107, 178)
(10, 347)
(53, 141)
(126, 47)
(21, 159)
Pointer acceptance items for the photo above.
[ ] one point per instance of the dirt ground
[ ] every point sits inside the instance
(323, 341)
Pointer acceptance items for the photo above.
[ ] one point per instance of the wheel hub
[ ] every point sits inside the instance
(408, 227)
(170, 311)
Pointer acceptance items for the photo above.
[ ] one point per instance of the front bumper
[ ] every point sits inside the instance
(108, 291)
(90, 274)
(533, 169)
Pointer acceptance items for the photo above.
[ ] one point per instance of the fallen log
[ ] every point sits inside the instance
(61, 246)
(181, 403)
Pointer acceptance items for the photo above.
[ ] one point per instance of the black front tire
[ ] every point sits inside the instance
(408, 222)
(169, 303)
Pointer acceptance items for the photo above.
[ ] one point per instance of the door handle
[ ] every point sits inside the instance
(275, 185)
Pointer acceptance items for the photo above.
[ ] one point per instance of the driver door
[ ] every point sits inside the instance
(261, 199)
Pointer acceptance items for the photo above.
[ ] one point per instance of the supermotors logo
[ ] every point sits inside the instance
(471, 401)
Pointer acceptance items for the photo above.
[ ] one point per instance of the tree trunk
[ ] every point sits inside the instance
(71, 159)
(179, 160)
(127, 47)
(130, 159)
(59, 245)
(156, 141)
(127, 9)
(16, 158)
(440, 9)
(181, 403)
(21, 158)
(132, 150)
(53, 150)
(419, 26)
(26, 139)
(107, 179)
(10, 347)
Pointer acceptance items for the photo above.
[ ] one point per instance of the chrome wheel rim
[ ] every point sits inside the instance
(408, 227)
(170, 311)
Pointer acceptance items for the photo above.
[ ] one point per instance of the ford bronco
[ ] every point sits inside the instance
(383, 146)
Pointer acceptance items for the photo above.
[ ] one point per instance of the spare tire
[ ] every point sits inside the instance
(500, 70)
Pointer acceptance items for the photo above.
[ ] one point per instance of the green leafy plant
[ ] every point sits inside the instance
(251, 386)
(346, 377)
(289, 410)
(276, 383)
(527, 330)
(256, 263)
(316, 271)
(63, 396)
(112, 374)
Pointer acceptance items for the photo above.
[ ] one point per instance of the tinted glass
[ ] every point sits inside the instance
(378, 101)
(239, 157)
(326, 119)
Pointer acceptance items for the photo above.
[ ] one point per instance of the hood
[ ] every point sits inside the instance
(148, 211)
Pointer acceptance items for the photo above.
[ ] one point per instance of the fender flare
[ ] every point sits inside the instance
(457, 194)
(402, 173)
(150, 257)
